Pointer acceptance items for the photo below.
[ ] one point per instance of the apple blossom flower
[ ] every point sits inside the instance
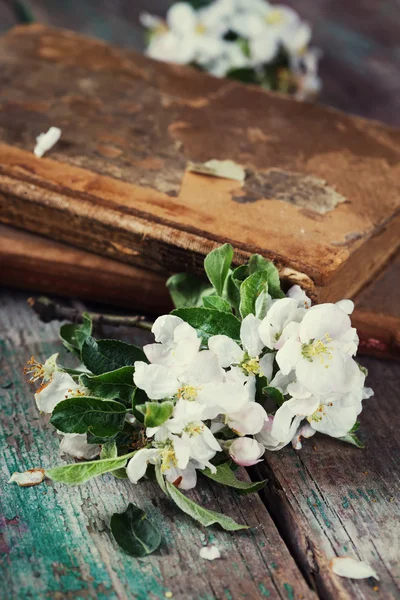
(246, 451)
(279, 430)
(60, 387)
(44, 371)
(320, 349)
(281, 322)
(229, 352)
(172, 455)
(76, 445)
(297, 293)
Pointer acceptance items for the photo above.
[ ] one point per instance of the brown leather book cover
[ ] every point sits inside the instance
(320, 197)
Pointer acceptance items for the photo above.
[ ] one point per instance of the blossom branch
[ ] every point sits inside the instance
(48, 310)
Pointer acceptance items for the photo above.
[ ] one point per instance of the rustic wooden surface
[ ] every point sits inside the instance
(326, 500)
(127, 194)
(55, 540)
(330, 499)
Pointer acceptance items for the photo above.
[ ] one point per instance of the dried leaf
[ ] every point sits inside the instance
(226, 169)
(345, 566)
(28, 478)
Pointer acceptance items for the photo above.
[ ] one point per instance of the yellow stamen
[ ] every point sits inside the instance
(188, 392)
(274, 17)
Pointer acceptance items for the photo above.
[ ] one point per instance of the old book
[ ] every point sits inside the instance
(321, 189)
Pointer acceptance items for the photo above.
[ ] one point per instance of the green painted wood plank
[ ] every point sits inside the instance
(55, 540)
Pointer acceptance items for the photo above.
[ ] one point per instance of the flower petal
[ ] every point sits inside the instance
(156, 380)
(267, 365)
(228, 352)
(76, 445)
(346, 566)
(164, 327)
(249, 420)
(58, 389)
(137, 466)
(250, 337)
(209, 552)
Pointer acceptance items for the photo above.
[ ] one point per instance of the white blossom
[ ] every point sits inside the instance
(246, 451)
(319, 350)
(60, 387)
(76, 445)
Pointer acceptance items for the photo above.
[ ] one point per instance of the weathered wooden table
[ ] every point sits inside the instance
(326, 500)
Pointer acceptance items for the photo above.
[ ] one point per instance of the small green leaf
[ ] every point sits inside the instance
(208, 322)
(116, 384)
(103, 356)
(250, 290)
(156, 413)
(351, 438)
(200, 514)
(240, 274)
(134, 533)
(232, 293)
(187, 290)
(81, 472)
(275, 394)
(217, 264)
(226, 476)
(245, 75)
(109, 450)
(103, 418)
(217, 303)
(258, 263)
(73, 335)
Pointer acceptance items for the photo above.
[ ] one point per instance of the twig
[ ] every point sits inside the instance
(48, 310)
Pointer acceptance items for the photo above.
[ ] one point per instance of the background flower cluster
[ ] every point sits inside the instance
(249, 40)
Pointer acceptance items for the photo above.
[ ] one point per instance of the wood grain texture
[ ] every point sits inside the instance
(34, 263)
(55, 540)
(331, 499)
(116, 183)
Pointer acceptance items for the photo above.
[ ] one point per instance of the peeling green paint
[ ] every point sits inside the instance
(289, 591)
(264, 592)
(345, 502)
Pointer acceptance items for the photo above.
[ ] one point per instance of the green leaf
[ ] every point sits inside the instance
(103, 418)
(116, 384)
(134, 533)
(351, 438)
(200, 514)
(258, 263)
(208, 322)
(109, 450)
(217, 303)
(81, 472)
(103, 356)
(250, 290)
(187, 290)
(275, 394)
(73, 336)
(217, 264)
(245, 75)
(226, 476)
(156, 413)
(239, 275)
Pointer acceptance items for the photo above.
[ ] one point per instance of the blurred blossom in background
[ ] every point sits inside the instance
(251, 41)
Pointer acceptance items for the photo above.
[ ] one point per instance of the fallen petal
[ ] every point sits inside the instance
(345, 566)
(28, 478)
(210, 552)
(227, 169)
